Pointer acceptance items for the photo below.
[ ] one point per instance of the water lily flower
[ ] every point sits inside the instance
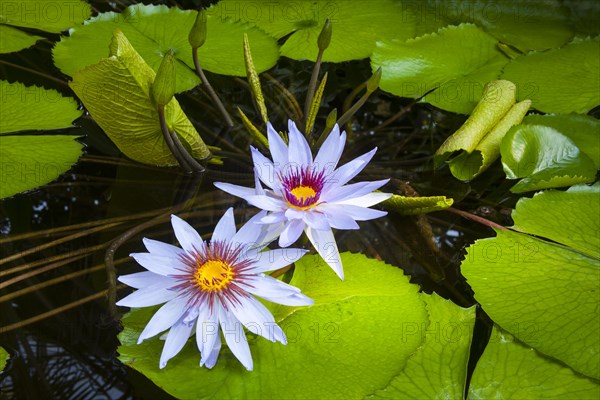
(311, 195)
(207, 284)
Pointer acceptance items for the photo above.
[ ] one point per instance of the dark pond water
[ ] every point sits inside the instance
(56, 319)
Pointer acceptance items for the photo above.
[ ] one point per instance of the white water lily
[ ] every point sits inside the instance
(207, 285)
(311, 195)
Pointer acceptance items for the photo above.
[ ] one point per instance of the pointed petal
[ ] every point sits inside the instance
(355, 212)
(213, 354)
(275, 259)
(316, 220)
(141, 279)
(343, 174)
(367, 200)
(324, 243)
(253, 235)
(292, 213)
(263, 285)
(299, 151)
(176, 339)
(337, 217)
(352, 190)
(263, 168)
(273, 218)
(150, 296)
(265, 202)
(207, 334)
(235, 190)
(331, 150)
(291, 232)
(257, 319)
(235, 338)
(164, 318)
(162, 249)
(158, 264)
(278, 149)
(225, 228)
(297, 299)
(187, 236)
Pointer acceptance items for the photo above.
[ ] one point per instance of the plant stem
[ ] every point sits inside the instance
(476, 218)
(169, 140)
(210, 90)
(312, 86)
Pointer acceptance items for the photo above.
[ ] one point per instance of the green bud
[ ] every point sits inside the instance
(197, 35)
(325, 36)
(331, 119)
(163, 88)
(373, 82)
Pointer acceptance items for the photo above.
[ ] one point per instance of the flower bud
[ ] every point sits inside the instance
(373, 82)
(163, 88)
(197, 35)
(325, 36)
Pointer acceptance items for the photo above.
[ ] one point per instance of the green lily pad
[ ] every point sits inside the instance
(546, 293)
(49, 16)
(353, 341)
(153, 30)
(356, 24)
(116, 92)
(456, 63)
(3, 358)
(406, 205)
(438, 370)
(510, 370)
(544, 158)
(26, 108)
(12, 39)
(583, 130)
(562, 80)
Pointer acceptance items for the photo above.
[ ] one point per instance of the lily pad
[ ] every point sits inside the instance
(438, 370)
(455, 63)
(583, 130)
(510, 370)
(12, 39)
(116, 92)
(562, 80)
(154, 30)
(546, 292)
(49, 16)
(29, 161)
(406, 205)
(544, 158)
(353, 341)
(356, 24)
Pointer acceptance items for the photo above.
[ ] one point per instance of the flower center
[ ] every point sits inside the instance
(302, 187)
(213, 275)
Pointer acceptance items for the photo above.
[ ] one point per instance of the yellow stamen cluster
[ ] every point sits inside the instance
(301, 192)
(213, 275)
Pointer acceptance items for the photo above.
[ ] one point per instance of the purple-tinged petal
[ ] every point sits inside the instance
(273, 218)
(291, 232)
(298, 151)
(210, 359)
(353, 190)
(141, 279)
(266, 202)
(162, 249)
(331, 150)
(263, 168)
(149, 296)
(187, 236)
(358, 213)
(292, 213)
(324, 243)
(272, 260)
(297, 299)
(176, 339)
(257, 319)
(164, 318)
(277, 146)
(263, 285)
(367, 200)
(316, 220)
(225, 228)
(236, 190)
(235, 338)
(343, 174)
(159, 264)
(337, 217)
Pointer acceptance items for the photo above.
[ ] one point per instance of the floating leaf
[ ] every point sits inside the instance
(583, 130)
(3, 358)
(456, 62)
(116, 92)
(544, 158)
(12, 39)
(349, 344)
(356, 24)
(49, 16)
(561, 80)
(438, 370)
(510, 370)
(544, 292)
(34, 108)
(153, 30)
(406, 205)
